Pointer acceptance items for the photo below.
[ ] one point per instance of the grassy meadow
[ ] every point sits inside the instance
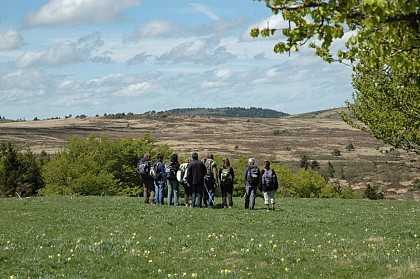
(120, 237)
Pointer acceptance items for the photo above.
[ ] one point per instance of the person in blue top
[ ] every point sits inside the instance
(159, 178)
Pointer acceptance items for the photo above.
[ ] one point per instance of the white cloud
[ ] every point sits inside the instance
(212, 84)
(62, 53)
(158, 28)
(10, 39)
(22, 87)
(79, 12)
(133, 90)
(200, 51)
(259, 56)
(140, 58)
(83, 100)
(223, 73)
(205, 10)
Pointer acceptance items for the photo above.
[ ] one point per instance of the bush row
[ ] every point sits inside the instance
(103, 166)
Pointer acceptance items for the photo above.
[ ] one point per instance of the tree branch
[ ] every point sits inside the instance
(412, 19)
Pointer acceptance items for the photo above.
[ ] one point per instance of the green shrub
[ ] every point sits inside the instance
(335, 190)
(373, 193)
(336, 152)
(99, 166)
(416, 184)
(349, 147)
(20, 173)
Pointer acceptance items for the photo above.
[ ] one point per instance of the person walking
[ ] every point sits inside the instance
(159, 176)
(143, 169)
(171, 169)
(269, 185)
(252, 182)
(196, 172)
(226, 176)
(211, 180)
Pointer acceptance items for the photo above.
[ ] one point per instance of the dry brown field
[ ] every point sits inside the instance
(282, 140)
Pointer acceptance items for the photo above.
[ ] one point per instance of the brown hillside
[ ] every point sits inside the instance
(283, 140)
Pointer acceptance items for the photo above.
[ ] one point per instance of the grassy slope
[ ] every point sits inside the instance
(118, 237)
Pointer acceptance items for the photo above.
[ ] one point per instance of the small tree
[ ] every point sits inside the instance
(336, 152)
(9, 169)
(372, 193)
(315, 165)
(18, 170)
(349, 147)
(330, 170)
(304, 163)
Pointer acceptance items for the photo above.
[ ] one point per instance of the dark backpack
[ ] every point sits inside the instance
(209, 167)
(170, 170)
(143, 168)
(226, 176)
(253, 175)
(155, 172)
(269, 179)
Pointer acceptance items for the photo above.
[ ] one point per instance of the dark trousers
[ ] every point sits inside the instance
(227, 193)
(187, 194)
(250, 195)
(196, 193)
(148, 190)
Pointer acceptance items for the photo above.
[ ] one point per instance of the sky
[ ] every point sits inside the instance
(62, 57)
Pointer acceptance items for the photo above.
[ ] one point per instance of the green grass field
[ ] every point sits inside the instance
(119, 237)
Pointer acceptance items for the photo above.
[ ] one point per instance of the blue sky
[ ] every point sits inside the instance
(61, 57)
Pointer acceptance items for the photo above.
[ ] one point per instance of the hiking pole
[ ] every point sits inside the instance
(208, 193)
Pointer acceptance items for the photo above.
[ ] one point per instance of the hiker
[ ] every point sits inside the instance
(269, 185)
(196, 172)
(171, 169)
(252, 182)
(159, 176)
(204, 194)
(143, 169)
(182, 175)
(210, 180)
(226, 176)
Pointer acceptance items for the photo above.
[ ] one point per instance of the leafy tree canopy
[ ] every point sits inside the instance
(382, 43)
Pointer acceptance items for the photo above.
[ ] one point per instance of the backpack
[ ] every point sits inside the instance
(209, 167)
(170, 170)
(143, 168)
(269, 179)
(253, 175)
(154, 171)
(180, 174)
(226, 176)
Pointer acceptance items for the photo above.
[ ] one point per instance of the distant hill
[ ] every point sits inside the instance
(251, 112)
(324, 114)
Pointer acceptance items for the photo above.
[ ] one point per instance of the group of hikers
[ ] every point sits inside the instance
(199, 179)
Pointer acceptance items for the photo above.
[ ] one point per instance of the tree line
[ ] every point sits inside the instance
(104, 166)
(252, 112)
